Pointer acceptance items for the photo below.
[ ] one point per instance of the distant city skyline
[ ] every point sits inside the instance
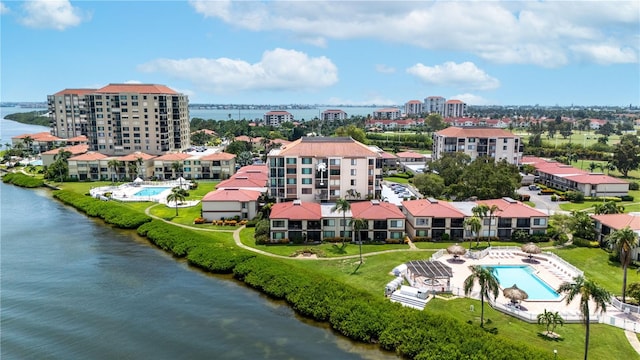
(355, 53)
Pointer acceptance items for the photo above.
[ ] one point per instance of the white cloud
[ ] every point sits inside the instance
(133, 82)
(381, 68)
(521, 32)
(471, 99)
(606, 54)
(279, 69)
(371, 99)
(3, 8)
(465, 75)
(52, 14)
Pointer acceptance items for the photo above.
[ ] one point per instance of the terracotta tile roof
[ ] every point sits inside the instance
(453, 102)
(280, 141)
(40, 137)
(375, 210)
(242, 182)
(80, 138)
(245, 138)
(232, 195)
(432, 208)
(595, 179)
(278, 112)
(333, 111)
(253, 169)
(136, 88)
(414, 102)
(206, 131)
(218, 156)
(90, 156)
(454, 131)
(409, 154)
(134, 156)
(512, 208)
(296, 211)
(74, 150)
(388, 110)
(386, 155)
(74, 92)
(173, 157)
(325, 146)
(619, 221)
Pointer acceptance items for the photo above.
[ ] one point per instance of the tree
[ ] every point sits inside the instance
(451, 166)
(487, 282)
(473, 224)
(623, 241)
(140, 162)
(114, 164)
(592, 166)
(588, 291)
(492, 210)
(609, 207)
(480, 211)
(178, 195)
(486, 179)
(606, 129)
(429, 184)
(27, 141)
(355, 132)
(550, 320)
(132, 168)
(342, 205)
(626, 154)
(359, 224)
(434, 122)
(582, 225)
(244, 158)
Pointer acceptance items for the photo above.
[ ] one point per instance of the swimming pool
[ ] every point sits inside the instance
(524, 277)
(151, 191)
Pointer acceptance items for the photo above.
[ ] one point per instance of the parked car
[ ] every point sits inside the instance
(534, 187)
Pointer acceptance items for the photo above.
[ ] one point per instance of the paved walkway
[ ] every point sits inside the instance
(633, 340)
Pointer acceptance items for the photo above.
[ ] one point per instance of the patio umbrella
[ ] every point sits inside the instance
(515, 293)
(531, 249)
(138, 180)
(456, 250)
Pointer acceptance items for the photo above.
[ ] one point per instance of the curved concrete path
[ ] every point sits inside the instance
(633, 340)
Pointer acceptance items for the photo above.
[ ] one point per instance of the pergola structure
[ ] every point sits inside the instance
(432, 270)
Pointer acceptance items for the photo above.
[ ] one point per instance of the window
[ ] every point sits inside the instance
(291, 161)
(353, 172)
(395, 235)
(345, 234)
(422, 222)
(396, 224)
(539, 222)
(307, 171)
(277, 223)
(328, 222)
(291, 181)
(353, 182)
(504, 148)
(328, 234)
(278, 235)
(307, 181)
(422, 233)
(306, 191)
(354, 162)
(306, 161)
(291, 170)
(334, 162)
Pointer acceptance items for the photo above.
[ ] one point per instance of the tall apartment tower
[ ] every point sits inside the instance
(434, 105)
(413, 107)
(454, 109)
(125, 118)
(68, 113)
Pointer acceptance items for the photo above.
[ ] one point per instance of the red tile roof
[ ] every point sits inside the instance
(134, 156)
(454, 131)
(136, 88)
(242, 182)
(375, 210)
(74, 150)
(80, 138)
(173, 157)
(296, 211)
(619, 221)
(386, 155)
(429, 208)
(414, 102)
(278, 112)
(90, 156)
(253, 169)
(40, 137)
(218, 156)
(232, 195)
(79, 92)
(595, 179)
(512, 208)
(324, 147)
(454, 102)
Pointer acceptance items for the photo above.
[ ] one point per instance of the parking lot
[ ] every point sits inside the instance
(395, 193)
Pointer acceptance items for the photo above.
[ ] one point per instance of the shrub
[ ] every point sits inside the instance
(634, 186)
(22, 180)
(580, 242)
(520, 236)
(554, 198)
(393, 241)
(575, 196)
(198, 220)
(626, 198)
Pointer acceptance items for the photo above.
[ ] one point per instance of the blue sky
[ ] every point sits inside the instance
(328, 52)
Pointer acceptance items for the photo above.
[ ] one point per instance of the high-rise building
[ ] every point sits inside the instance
(413, 107)
(496, 143)
(434, 105)
(324, 169)
(68, 113)
(454, 109)
(277, 117)
(119, 119)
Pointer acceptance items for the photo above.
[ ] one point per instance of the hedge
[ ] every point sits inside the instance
(22, 180)
(111, 212)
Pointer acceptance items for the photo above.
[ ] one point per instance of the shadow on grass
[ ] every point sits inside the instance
(544, 337)
(339, 250)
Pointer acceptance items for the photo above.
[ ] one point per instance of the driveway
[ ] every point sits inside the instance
(542, 202)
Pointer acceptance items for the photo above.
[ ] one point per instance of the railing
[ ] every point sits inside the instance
(438, 254)
(560, 260)
(626, 308)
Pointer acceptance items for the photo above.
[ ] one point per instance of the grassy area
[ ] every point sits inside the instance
(597, 267)
(606, 342)
(634, 175)
(397, 179)
(483, 244)
(585, 138)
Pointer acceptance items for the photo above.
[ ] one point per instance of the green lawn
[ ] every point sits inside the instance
(606, 342)
(585, 138)
(396, 179)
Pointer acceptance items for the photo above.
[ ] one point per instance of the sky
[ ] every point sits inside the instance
(547, 53)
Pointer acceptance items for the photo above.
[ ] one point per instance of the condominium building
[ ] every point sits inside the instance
(454, 109)
(324, 169)
(277, 117)
(124, 118)
(434, 105)
(333, 115)
(68, 112)
(413, 107)
(387, 113)
(496, 143)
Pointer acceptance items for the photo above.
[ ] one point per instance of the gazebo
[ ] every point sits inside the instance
(431, 271)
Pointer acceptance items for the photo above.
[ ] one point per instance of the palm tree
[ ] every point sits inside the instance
(176, 167)
(473, 224)
(481, 212)
(139, 162)
(359, 224)
(609, 166)
(488, 285)
(588, 291)
(550, 320)
(28, 141)
(132, 169)
(609, 207)
(342, 205)
(492, 210)
(592, 166)
(114, 164)
(623, 241)
(178, 195)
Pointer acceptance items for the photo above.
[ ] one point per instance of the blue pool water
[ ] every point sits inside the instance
(151, 191)
(525, 279)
